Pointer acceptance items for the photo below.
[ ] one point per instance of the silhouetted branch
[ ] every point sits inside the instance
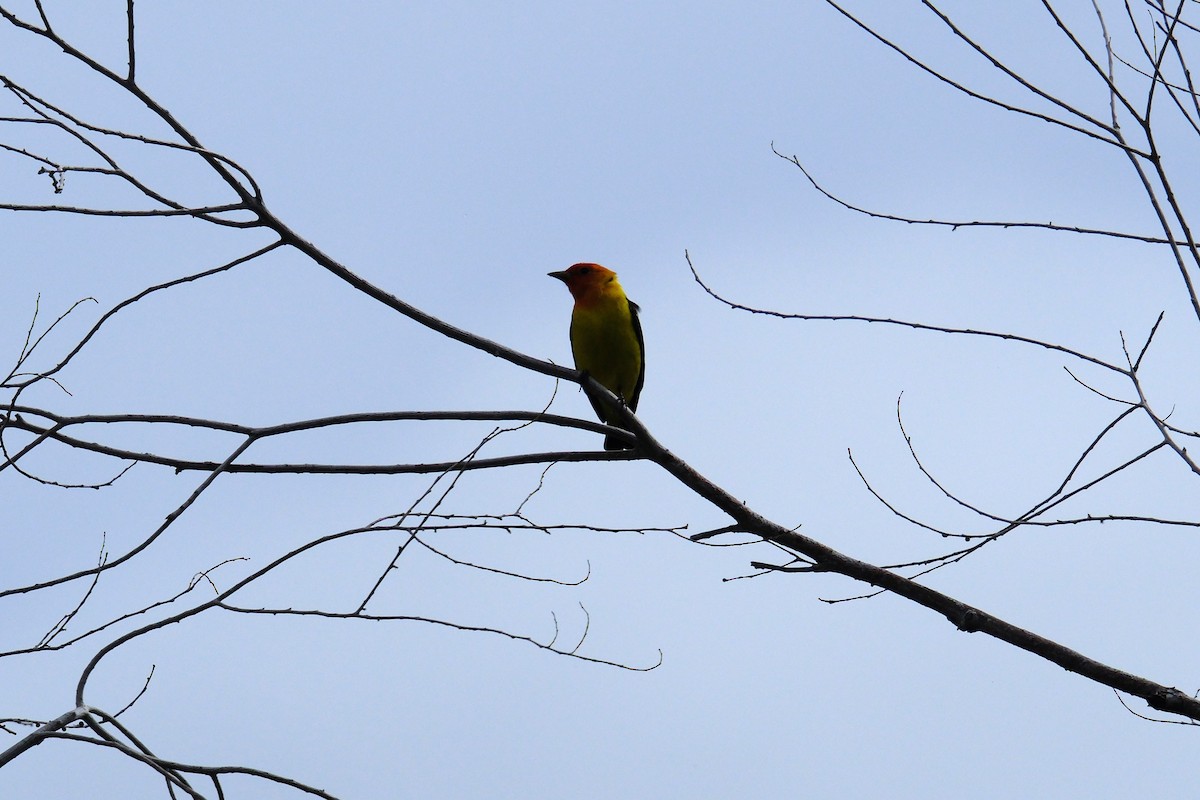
(964, 89)
(920, 326)
(956, 224)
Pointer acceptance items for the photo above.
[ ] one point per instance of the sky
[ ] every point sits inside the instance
(453, 154)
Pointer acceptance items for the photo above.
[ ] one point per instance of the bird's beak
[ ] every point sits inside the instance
(562, 276)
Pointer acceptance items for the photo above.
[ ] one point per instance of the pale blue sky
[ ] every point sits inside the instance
(455, 153)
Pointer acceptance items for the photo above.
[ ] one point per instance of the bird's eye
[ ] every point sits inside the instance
(584, 270)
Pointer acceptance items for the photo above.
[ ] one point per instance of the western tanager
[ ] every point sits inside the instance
(606, 338)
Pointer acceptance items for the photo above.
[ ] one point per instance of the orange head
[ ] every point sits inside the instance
(586, 281)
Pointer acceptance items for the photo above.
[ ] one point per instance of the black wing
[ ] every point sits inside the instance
(637, 330)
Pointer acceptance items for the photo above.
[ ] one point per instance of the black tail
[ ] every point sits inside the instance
(615, 443)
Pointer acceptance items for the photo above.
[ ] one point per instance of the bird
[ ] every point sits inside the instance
(606, 339)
